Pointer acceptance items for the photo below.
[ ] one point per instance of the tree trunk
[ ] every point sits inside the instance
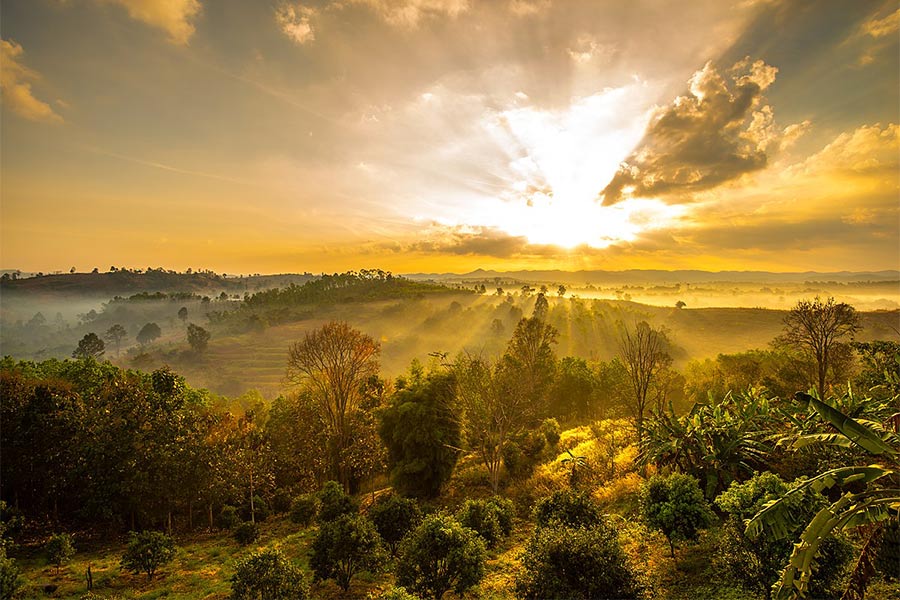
(252, 506)
(190, 515)
(210, 517)
(169, 521)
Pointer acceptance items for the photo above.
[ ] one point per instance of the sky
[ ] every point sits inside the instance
(449, 135)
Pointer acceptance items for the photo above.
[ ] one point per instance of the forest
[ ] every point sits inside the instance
(365, 435)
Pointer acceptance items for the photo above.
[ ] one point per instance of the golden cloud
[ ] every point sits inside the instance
(172, 16)
(15, 84)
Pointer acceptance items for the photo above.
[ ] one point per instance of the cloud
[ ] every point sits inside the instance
(869, 149)
(714, 134)
(294, 21)
(15, 84)
(172, 16)
(466, 240)
(585, 48)
(884, 27)
(527, 8)
(408, 13)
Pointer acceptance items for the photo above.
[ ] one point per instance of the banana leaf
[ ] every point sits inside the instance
(856, 432)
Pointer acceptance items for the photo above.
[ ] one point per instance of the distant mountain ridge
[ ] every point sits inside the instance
(659, 276)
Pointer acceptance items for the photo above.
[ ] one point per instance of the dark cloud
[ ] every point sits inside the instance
(715, 133)
(479, 241)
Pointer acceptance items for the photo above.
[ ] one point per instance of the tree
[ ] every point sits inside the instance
(90, 346)
(333, 502)
(529, 362)
(439, 555)
(333, 363)
(486, 518)
(422, 433)
(197, 337)
(148, 333)
(267, 575)
(675, 505)
(645, 354)
(874, 504)
(59, 549)
(115, 335)
(568, 508)
(344, 547)
(147, 551)
(541, 307)
(818, 327)
(561, 291)
(394, 516)
(575, 562)
(183, 314)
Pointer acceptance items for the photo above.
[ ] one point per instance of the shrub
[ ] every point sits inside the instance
(551, 431)
(394, 593)
(439, 555)
(757, 564)
(575, 562)
(59, 549)
(394, 516)
(568, 507)
(675, 505)
(344, 547)
(333, 502)
(10, 581)
(147, 551)
(304, 509)
(281, 501)
(228, 517)
(267, 575)
(260, 510)
(491, 519)
(246, 533)
(887, 560)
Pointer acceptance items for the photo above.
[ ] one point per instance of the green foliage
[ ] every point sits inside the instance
(440, 555)
(260, 509)
(394, 516)
(10, 580)
(343, 547)
(572, 392)
(551, 430)
(59, 549)
(575, 562)
(756, 563)
(90, 346)
(422, 434)
(393, 593)
(569, 508)
(333, 502)
(197, 337)
(246, 533)
(481, 517)
(147, 551)
(267, 575)
(304, 509)
(228, 517)
(880, 372)
(718, 442)
(522, 453)
(505, 511)
(887, 560)
(676, 506)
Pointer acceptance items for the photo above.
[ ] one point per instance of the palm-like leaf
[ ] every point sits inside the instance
(858, 433)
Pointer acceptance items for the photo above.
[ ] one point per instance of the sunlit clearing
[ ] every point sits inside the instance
(559, 161)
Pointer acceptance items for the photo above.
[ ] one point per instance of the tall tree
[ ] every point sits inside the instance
(89, 346)
(116, 334)
(645, 355)
(818, 327)
(529, 362)
(197, 337)
(148, 333)
(334, 363)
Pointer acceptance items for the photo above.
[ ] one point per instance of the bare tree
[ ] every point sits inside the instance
(645, 355)
(819, 327)
(334, 363)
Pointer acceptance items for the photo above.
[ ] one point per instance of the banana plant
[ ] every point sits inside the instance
(874, 498)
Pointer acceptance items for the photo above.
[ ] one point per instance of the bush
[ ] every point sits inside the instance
(267, 575)
(568, 507)
(343, 547)
(260, 510)
(394, 593)
(333, 502)
(147, 551)
(757, 564)
(439, 555)
(281, 501)
(59, 549)
(394, 516)
(522, 453)
(676, 506)
(10, 581)
(482, 517)
(575, 562)
(551, 431)
(887, 560)
(228, 517)
(505, 511)
(304, 509)
(246, 533)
